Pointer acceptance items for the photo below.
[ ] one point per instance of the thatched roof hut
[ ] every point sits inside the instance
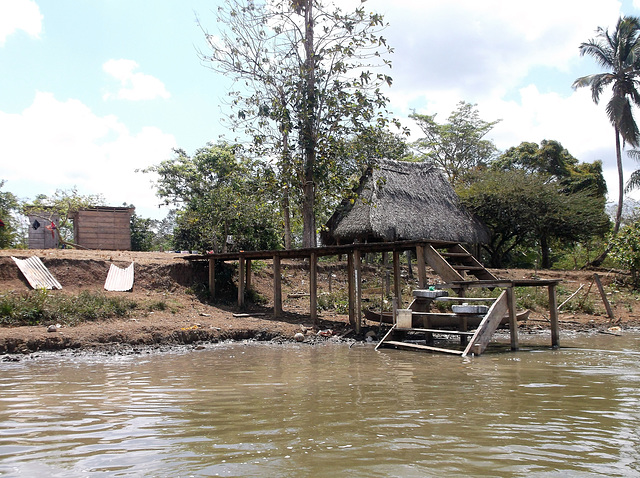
(399, 200)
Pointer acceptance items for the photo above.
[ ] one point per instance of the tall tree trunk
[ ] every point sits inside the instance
(286, 213)
(616, 226)
(308, 132)
(546, 256)
(286, 179)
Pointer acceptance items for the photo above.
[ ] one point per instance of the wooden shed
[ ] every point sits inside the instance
(103, 228)
(42, 230)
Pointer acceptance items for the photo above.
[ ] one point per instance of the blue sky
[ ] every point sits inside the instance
(92, 90)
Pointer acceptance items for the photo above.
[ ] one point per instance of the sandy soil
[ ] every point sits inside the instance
(169, 278)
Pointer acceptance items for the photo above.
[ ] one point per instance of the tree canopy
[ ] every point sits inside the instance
(222, 200)
(619, 54)
(9, 206)
(306, 81)
(456, 146)
(534, 196)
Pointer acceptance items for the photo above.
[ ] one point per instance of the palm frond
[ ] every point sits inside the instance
(633, 182)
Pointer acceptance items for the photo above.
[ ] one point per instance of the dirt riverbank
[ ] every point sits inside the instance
(187, 318)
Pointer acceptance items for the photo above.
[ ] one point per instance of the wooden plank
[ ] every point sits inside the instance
(313, 289)
(513, 320)
(387, 335)
(351, 289)
(420, 265)
(212, 278)
(248, 274)
(607, 306)
(357, 268)
(440, 265)
(488, 326)
(277, 287)
(553, 316)
(241, 282)
(465, 299)
(422, 347)
(439, 331)
(397, 288)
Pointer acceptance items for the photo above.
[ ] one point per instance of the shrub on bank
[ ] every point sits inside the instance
(43, 307)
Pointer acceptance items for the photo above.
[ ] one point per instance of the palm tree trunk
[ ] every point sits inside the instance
(616, 226)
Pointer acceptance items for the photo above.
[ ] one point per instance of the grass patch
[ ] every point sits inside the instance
(42, 307)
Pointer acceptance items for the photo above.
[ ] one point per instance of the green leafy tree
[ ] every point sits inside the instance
(524, 209)
(221, 199)
(456, 146)
(553, 161)
(142, 235)
(9, 207)
(618, 53)
(306, 71)
(63, 203)
(625, 248)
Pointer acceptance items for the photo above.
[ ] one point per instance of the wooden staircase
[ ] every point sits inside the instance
(471, 342)
(453, 263)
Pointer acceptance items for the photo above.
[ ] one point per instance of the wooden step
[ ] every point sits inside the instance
(438, 331)
(463, 267)
(406, 345)
(455, 254)
(465, 299)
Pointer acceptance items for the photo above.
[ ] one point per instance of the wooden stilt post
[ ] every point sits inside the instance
(397, 288)
(513, 323)
(277, 287)
(313, 288)
(212, 278)
(420, 265)
(357, 259)
(241, 282)
(351, 287)
(248, 274)
(553, 316)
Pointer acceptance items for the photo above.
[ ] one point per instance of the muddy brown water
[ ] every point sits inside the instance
(327, 410)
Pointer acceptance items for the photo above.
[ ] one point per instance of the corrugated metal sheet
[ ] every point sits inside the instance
(36, 273)
(118, 279)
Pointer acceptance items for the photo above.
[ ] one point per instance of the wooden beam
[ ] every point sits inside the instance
(553, 316)
(488, 326)
(313, 288)
(513, 321)
(277, 287)
(357, 259)
(420, 265)
(241, 282)
(440, 265)
(351, 289)
(248, 274)
(397, 287)
(607, 306)
(212, 278)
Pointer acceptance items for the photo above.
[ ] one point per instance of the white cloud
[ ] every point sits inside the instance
(60, 144)
(133, 86)
(19, 15)
(486, 48)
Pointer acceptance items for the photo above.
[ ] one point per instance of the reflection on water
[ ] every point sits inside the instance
(297, 410)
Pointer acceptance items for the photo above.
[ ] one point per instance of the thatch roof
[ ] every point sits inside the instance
(399, 200)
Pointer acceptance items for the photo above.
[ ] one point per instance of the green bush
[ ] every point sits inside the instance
(42, 307)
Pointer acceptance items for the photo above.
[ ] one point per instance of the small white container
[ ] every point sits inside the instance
(403, 318)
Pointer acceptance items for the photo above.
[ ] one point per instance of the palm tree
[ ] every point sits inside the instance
(619, 54)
